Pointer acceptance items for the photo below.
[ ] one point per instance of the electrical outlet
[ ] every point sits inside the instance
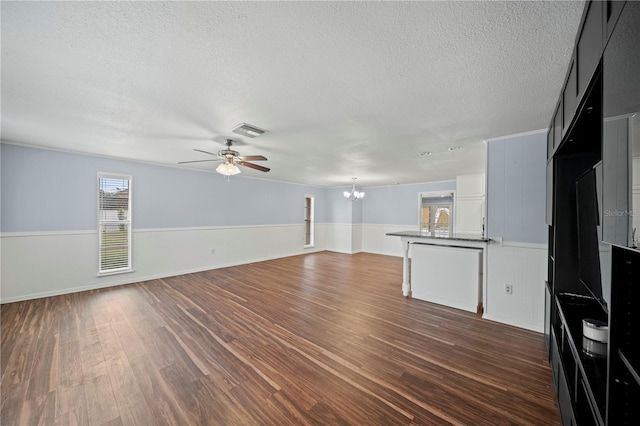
(213, 251)
(508, 289)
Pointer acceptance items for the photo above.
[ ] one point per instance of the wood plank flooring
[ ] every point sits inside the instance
(324, 338)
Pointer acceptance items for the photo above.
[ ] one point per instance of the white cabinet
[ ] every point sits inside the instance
(469, 214)
(469, 204)
(470, 185)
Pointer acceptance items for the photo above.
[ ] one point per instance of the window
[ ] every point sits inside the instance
(436, 214)
(308, 221)
(114, 223)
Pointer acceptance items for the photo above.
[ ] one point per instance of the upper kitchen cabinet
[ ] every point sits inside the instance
(469, 207)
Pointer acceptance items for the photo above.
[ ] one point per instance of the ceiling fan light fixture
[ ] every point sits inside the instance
(228, 169)
(231, 159)
(249, 130)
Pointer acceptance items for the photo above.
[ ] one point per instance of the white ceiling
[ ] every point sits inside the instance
(345, 88)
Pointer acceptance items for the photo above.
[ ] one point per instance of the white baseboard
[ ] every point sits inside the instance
(382, 253)
(515, 323)
(125, 281)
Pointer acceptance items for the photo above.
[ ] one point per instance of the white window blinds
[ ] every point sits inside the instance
(114, 223)
(308, 221)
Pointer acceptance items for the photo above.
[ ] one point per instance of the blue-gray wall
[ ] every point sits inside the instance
(516, 176)
(338, 208)
(44, 190)
(341, 210)
(398, 205)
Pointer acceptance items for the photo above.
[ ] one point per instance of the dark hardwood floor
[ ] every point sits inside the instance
(323, 338)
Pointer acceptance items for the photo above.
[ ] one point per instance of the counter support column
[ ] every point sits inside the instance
(406, 285)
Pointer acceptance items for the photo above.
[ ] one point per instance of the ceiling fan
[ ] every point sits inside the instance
(230, 160)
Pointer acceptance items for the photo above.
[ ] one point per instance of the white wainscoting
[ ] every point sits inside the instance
(450, 276)
(40, 264)
(356, 238)
(343, 237)
(524, 266)
(375, 240)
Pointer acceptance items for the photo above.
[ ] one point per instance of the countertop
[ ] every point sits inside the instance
(453, 237)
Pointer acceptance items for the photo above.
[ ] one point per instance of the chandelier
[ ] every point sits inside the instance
(353, 195)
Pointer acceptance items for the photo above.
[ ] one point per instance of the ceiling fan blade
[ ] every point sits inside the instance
(254, 166)
(206, 152)
(195, 161)
(252, 158)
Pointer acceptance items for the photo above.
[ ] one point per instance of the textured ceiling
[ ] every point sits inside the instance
(345, 88)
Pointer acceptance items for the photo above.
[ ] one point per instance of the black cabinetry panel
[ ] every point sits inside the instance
(610, 14)
(570, 95)
(601, 123)
(557, 127)
(589, 48)
(615, 169)
(547, 316)
(621, 100)
(549, 210)
(590, 370)
(625, 361)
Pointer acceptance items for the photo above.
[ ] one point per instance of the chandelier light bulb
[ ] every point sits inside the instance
(353, 195)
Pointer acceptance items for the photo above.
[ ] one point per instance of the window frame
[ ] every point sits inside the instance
(309, 221)
(128, 222)
(436, 194)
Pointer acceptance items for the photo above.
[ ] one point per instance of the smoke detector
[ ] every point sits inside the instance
(249, 130)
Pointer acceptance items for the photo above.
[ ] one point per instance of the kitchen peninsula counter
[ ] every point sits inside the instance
(453, 237)
(445, 269)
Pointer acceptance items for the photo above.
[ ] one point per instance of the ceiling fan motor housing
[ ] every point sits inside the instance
(228, 153)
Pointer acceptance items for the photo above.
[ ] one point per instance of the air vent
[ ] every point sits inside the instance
(245, 129)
